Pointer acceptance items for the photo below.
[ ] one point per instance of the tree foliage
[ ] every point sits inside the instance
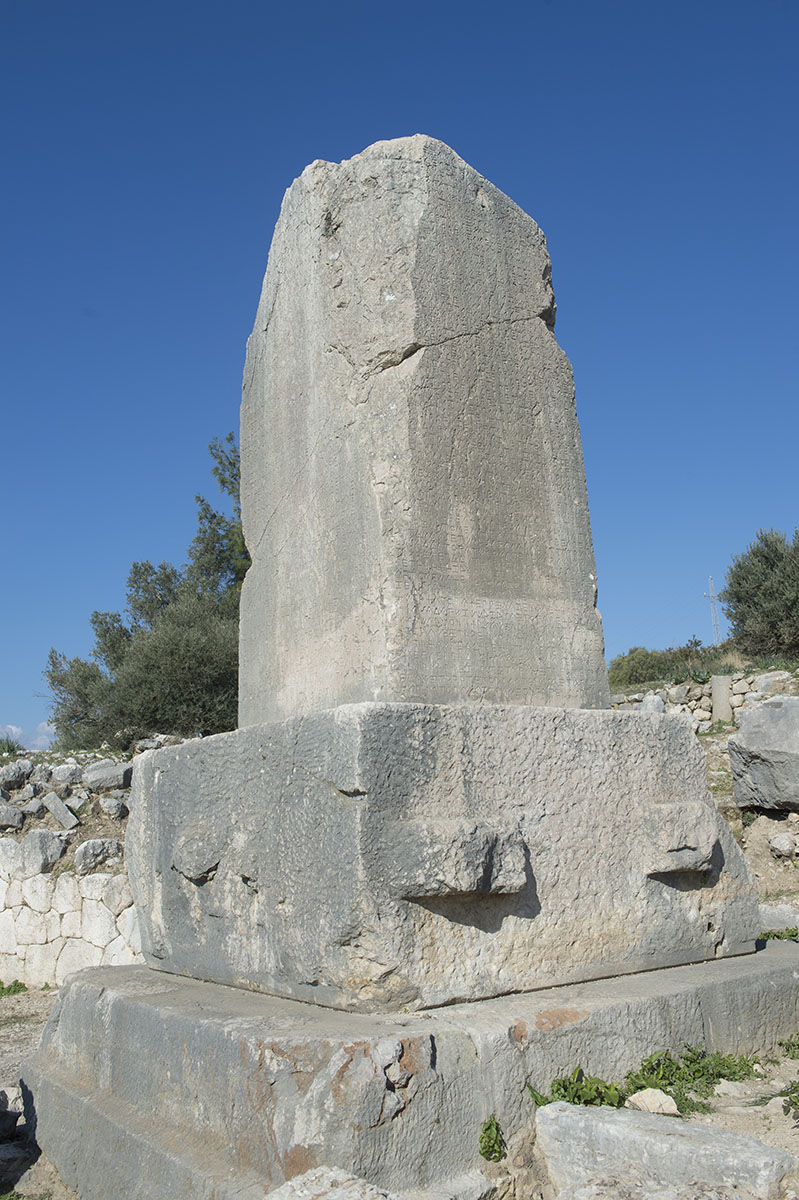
(171, 663)
(761, 596)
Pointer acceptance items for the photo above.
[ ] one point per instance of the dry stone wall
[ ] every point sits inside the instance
(65, 900)
(696, 700)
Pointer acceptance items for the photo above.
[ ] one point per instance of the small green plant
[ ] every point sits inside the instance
(748, 817)
(492, 1143)
(790, 1104)
(579, 1088)
(688, 1080)
(9, 745)
(45, 987)
(790, 1047)
(12, 989)
(780, 935)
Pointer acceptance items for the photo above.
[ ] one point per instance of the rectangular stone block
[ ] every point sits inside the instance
(413, 489)
(403, 856)
(148, 1085)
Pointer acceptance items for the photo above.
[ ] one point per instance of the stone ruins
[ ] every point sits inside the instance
(429, 801)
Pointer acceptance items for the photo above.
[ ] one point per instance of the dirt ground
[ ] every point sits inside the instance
(752, 1108)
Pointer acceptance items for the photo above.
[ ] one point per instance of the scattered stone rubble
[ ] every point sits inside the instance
(65, 902)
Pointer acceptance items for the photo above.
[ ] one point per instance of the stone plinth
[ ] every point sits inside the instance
(148, 1085)
(401, 856)
(413, 489)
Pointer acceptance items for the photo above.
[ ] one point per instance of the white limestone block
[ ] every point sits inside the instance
(92, 886)
(29, 927)
(119, 954)
(116, 894)
(9, 967)
(75, 955)
(37, 892)
(52, 924)
(128, 926)
(40, 963)
(14, 897)
(8, 938)
(97, 923)
(70, 924)
(66, 897)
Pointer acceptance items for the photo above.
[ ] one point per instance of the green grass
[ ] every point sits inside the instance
(10, 746)
(777, 935)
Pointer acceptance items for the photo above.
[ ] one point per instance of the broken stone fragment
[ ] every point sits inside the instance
(11, 817)
(93, 853)
(653, 1100)
(65, 818)
(580, 1145)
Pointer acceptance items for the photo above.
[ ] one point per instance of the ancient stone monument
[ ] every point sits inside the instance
(428, 801)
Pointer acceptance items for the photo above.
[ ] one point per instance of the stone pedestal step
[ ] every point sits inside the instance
(189, 1089)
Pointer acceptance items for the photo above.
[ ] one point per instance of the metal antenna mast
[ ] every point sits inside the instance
(711, 596)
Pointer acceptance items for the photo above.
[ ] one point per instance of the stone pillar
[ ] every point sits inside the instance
(413, 489)
(721, 691)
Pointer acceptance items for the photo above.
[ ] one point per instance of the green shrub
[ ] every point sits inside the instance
(9, 745)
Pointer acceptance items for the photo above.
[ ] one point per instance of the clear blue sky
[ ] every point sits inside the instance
(147, 148)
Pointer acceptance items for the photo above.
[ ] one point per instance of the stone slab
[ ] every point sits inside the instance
(413, 490)
(402, 856)
(148, 1085)
(764, 756)
(583, 1144)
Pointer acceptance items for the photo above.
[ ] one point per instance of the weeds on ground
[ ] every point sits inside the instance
(790, 1105)
(781, 935)
(790, 1047)
(689, 1080)
(8, 746)
(11, 989)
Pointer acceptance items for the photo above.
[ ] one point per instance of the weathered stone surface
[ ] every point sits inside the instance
(580, 1144)
(631, 1185)
(779, 916)
(409, 431)
(653, 1100)
(65, 774)
(327, 1183)
(93, 853)
(66, 819)
(14, 774)
(196, 1084)
(107, 774)
(764, 755)
(35, 853)
(10, 817)
(721, 686)
(391, 856)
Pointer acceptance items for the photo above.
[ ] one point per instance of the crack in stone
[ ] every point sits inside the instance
(392, 358)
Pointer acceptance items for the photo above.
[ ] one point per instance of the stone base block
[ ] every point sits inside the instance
(391, 856)
(148, 1085)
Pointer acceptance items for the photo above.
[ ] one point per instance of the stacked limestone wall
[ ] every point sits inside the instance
(695, 699)
(65, 900)
(52, 927)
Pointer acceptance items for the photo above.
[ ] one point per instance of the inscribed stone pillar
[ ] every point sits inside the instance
(412, 478)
